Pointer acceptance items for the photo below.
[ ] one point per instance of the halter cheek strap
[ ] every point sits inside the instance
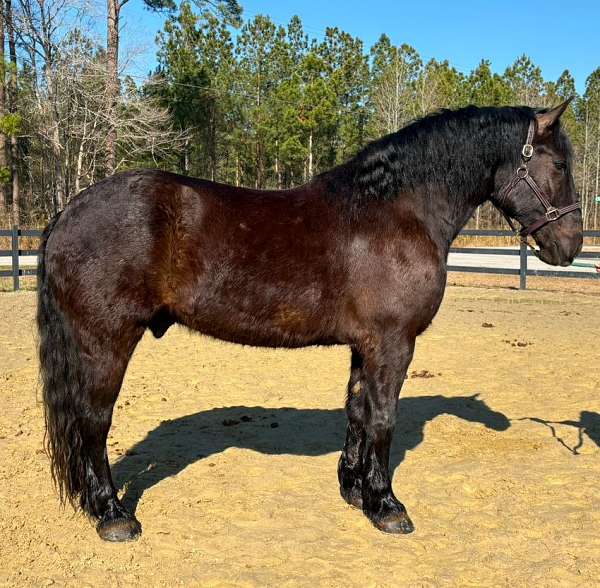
(522, 175)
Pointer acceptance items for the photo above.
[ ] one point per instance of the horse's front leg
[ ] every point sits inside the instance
(384, 370)
(350, 466)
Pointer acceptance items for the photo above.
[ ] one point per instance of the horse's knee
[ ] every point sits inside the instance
(381, 424)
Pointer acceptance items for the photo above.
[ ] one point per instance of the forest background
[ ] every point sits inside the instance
(248, 102)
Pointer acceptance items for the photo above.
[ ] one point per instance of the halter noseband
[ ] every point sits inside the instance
(522, 174)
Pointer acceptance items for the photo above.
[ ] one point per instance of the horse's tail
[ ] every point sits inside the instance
(61, 374)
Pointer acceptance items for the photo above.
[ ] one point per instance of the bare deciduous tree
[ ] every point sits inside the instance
(3, 161)
(68, 121)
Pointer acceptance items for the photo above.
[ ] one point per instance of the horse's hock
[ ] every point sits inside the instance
(228, 454)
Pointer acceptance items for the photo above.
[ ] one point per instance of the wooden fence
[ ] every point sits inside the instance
(15, 253)
(524, 253)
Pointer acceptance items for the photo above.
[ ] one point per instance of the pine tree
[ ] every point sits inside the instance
(394, 75)
(525, 81)
(347, 73)
(485, 88)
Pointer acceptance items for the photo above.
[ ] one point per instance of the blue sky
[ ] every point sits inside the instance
(557, 35)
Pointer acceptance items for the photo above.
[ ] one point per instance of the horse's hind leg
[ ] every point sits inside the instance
(99, 496)
(351, 461)
(83, 362)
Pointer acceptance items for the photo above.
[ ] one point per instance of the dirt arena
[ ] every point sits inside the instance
(229, 455)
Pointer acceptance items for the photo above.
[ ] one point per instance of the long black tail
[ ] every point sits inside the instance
(62, 379)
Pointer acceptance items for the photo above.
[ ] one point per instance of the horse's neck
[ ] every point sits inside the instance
(446, 214)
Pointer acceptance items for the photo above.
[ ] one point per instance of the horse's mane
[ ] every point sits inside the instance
(444, 148)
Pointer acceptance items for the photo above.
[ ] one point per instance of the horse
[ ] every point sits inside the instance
(357, 257)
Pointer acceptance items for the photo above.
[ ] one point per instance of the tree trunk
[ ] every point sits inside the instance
(112, 83)
(310, 156)
(259, 147)
(213, 142)
(79, 167)
(597, 182)
(186, 157)
(12, 92)
(277, 170)
(59, 179)
(259, 167)
(3, 159)
(584, 168)
(396, 112)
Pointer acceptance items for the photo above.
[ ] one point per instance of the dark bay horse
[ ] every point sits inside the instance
(355, 257)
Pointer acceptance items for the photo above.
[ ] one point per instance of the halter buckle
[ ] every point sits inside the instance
(527, 151)
(552, 214)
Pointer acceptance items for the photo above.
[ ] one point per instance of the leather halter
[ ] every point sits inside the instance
(522, 175)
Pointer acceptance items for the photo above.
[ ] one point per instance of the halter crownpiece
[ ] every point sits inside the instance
(522, 174)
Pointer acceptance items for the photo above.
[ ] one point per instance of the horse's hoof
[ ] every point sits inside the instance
(120, 529)
(398, 523)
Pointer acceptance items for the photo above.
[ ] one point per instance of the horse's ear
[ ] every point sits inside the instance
(546, 120)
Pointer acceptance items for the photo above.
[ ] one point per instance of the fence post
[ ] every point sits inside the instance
(523, 267)
(15, 256)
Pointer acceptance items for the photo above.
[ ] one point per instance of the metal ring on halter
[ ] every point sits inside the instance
(524, 170)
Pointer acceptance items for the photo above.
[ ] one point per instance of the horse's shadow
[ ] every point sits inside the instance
(177, 443)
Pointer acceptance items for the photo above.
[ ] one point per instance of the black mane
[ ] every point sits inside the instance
(449, 147)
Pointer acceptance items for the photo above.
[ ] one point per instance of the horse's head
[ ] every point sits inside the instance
(540, 192)
(473, 409)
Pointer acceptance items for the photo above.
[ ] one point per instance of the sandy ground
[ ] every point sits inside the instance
(229, 455)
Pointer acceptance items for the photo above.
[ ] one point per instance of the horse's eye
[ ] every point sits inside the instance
(562, 165)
